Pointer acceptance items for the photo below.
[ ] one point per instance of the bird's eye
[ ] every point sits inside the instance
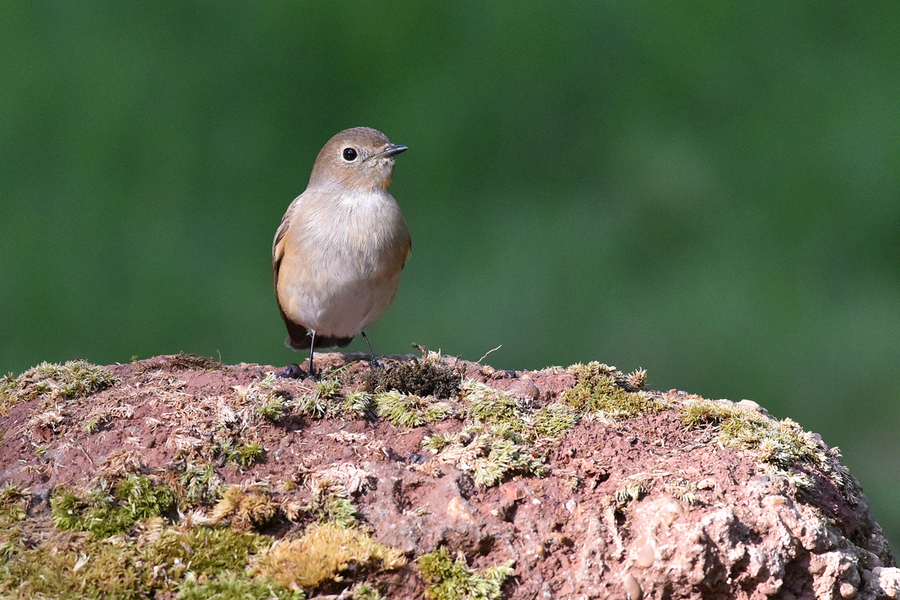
(349, 154)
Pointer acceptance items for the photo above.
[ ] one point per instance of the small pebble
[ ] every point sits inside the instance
(632, 588)
(644, 554)
(848, 590)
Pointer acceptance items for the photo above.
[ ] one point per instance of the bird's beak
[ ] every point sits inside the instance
(394, 149)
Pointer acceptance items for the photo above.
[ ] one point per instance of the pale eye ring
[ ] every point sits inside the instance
(350, 154)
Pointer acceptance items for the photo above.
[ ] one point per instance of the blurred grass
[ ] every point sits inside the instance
(706, 190)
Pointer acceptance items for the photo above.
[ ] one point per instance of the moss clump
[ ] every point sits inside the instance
(73, 379)
(245, 507)
(410, 411)
(491, 452)
(331, 502)
(488, 405)
(273, 409)
(13, 503)
(203, 551)
(323, 553)
(236, 587)
(91, 570)
(188, 362)
(198, 484)
(600, 388)
(360, 405)
(505, 458)
(427, 376)
(159, 562)
(779, 444)
(327, 401)
(106, 512)
(245, 453)
(554, 420)
(450, 579)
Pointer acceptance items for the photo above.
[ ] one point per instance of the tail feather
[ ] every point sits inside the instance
(300, 338)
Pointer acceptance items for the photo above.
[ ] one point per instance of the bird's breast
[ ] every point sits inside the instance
(342, 262)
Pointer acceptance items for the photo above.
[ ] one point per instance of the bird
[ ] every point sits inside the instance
(338, 253)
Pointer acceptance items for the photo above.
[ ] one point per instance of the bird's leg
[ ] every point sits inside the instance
(293, 370)
(312, 347)
(373, 362)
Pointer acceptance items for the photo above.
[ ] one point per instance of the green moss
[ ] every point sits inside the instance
(493, 453)
(105, 512)
(365, 592)
(780, 444)
(140, 498)
(90, 571)
(199, 484)
(242, 452)
(328, 389)
(324, 553)
(410, 411)
(245, 507)
(91, 426)
(162, 562)
(554, 420)
(13, 502)
(73, 379)
(273, 410)
(435, 443)
(324, 401)
(203, 551)
(488, 405)
(450, 579)
(331, 502)
(506, 458)
(358, 405)
(633, 486)
(600, 388)
(235, 587)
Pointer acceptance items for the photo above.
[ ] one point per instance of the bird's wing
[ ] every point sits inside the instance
(278, 244)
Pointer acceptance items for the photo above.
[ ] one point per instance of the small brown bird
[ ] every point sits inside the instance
(341, 245)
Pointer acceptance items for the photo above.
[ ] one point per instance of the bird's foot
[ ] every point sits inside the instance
(293, 371)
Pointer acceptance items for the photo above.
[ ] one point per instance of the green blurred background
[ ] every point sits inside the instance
(708, 190)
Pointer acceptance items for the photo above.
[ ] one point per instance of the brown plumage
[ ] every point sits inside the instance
(338, 253)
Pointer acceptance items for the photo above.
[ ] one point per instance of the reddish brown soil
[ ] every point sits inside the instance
(748, 533)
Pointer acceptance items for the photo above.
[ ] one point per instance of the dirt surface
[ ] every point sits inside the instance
(643, 506)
